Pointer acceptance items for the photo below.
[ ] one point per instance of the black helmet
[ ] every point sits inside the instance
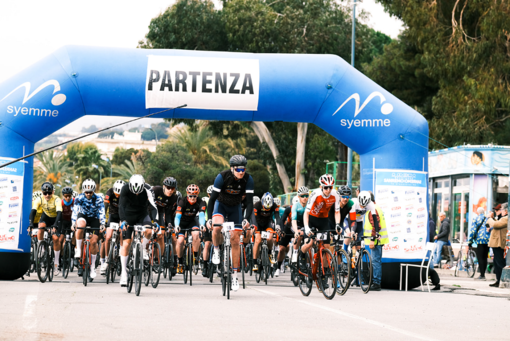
(170, 182)
(344, 190)
(47, 187)
(238, 160)
(67, 190)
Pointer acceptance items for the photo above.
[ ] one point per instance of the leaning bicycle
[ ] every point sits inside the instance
(466, 261)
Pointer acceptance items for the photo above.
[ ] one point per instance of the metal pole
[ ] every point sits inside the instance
(349, 150)
(156, 136)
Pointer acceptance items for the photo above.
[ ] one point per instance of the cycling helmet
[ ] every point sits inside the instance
(267, 201)
(326, 180)
(136, 184)
(117, 186)
(47, 187)
(256, 199)
(277, 201)
(238, 160)
(295, 200)
(88, 185)
(36, 194)
(303, 190)
(75, 194)
(192, 190)
(170, 182)
(67, 190)
(364, 198)
(210, 189)
(344, 190)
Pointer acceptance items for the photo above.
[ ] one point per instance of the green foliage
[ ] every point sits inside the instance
(160, 129)
(320, 146)
(54, 168)
(91, 165)
(110, 133)
(120, 155)
(260, 176)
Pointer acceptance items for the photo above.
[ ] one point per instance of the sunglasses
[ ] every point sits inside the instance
(240, 170)
(304, 196)
(346, 196)
(192, 196)
(47, 193)
(89, 192)
(170, 188)
(327, 187)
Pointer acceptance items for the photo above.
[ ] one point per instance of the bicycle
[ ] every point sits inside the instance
(225, 266)
(188, 257)
(135, 261)
(342, 260)
(153, 265)
(362, 265)
(248, 254)
(67, 254)
(85, 259)
(113, 261)
(325, 277)
(263, 259)
(45, 257)
(168, 259)
(466, 261)
(242, 256)
(33, 250)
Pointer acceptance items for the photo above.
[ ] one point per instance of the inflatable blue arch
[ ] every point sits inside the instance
(322, 89)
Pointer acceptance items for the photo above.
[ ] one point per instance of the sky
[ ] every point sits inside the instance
(32, 29)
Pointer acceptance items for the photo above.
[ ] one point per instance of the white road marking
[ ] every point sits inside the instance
(356, 317)
(29, 317)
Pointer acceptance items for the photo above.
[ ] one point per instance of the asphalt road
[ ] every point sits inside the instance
(66, 310)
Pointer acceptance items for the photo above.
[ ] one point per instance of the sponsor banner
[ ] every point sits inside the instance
(11, 186)
(401, 195)
(202, 83)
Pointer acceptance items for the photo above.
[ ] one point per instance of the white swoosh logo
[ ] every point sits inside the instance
(357, 100)
(26, 97)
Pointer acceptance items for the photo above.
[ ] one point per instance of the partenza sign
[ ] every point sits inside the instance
(202, 83)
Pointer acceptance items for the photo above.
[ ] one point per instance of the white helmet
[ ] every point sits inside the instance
(136, 184)
(117, 186)
(277, 201)
(267, 200)
(88, 185)
(364, 198)
(75, 194)
(326, 180)
(295, 200)
(210, 189)
(256, 199)
(36, 194)
(303, 190)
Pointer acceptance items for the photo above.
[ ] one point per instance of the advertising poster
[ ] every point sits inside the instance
(402, 195)
(11, 196)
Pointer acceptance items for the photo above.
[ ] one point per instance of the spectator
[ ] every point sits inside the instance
(479, 236)
(497, 240)
(432, 229)
(441, 238)
(497, 211)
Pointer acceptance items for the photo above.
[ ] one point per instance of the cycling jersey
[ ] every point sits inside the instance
(358, 212)
(187, 212)
(319, 206)
(297, 213)
(166, 205)
(49, 207)
(231, 189)
(91, 208)
(286, 215)
(67, 210)
(344, 212)
(38, 213)
(264, 217)
(113, 201)
(134, 208)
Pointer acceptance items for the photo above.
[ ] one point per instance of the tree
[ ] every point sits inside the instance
(53, 168)
(120, 155)
(126, 170)
(260, 176)
(110, 133)
(160, 129)
(91, 165)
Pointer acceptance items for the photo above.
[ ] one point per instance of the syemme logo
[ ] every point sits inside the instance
(57, 100)
(386, 109)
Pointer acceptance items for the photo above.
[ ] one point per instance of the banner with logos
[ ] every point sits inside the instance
(202, 83)
(11, 198)
(402, 195)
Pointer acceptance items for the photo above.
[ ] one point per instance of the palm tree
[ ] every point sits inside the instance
(203, 146)
(90, 164)
(126, 170)
(53, 168)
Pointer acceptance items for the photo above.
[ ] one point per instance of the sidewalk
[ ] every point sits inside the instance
(470, 286)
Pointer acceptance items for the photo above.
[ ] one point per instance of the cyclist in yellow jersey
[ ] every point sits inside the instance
(51, 216)
(36, 195)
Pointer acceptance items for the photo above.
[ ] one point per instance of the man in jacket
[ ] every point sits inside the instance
(432, 229)
(479, 236)
(441, 238)
(497, 241)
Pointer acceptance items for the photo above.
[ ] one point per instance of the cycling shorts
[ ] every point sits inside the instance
(321, 224)
(285, 241)
(189, 225)
(229, 213)
(207, 236)
(113, 218)
(144, 220)
(49, 221)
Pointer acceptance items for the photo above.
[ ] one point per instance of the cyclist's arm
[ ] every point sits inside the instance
(201, 214)
(178, 213)
(76, 210)
(337, 217)
(153, 210)
(106, 206)
(249, 198)
(352, 215)
(218, 185)
(294, 216)
(286, 214)
(102, 215)
(161, 214)
(306, 216)
(123, 201)
(32, 216)
(277, 217)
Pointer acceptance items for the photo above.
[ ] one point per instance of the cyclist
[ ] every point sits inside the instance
(166, 201)
(317, 210)
(345, 207)
(136, 207)
(67, 212)
(297, 212)
(206, 234)
(51, 206)
(88, 211)
(262, 220)
(357, 213)
(111, 205)
(225, 204)
(186, 222)
(38, 213)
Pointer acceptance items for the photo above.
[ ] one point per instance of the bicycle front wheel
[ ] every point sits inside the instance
(51, 262)
(42, 262)
(66, 259)
(241, 264)
(157, 264)
(470, 265)
(327, 275)
(109, 265)
(304, 274)
(86, 267)
(190, 264)
(228, 270)
(459, 264)
(365, 270)
(138, 265)
(343, 271)
(147, 270)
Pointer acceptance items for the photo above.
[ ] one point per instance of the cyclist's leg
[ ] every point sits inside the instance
(256, 245)
(195, 233)
(217, 219)
(359, 232)
(80, 233)
(42, 227)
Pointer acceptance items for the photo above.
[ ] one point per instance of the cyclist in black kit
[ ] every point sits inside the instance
(111, 205)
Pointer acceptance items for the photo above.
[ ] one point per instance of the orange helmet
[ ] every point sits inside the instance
(192, 190)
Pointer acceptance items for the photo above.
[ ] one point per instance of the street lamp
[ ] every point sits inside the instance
(97, 167)
(156, 134)
(349, 150)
